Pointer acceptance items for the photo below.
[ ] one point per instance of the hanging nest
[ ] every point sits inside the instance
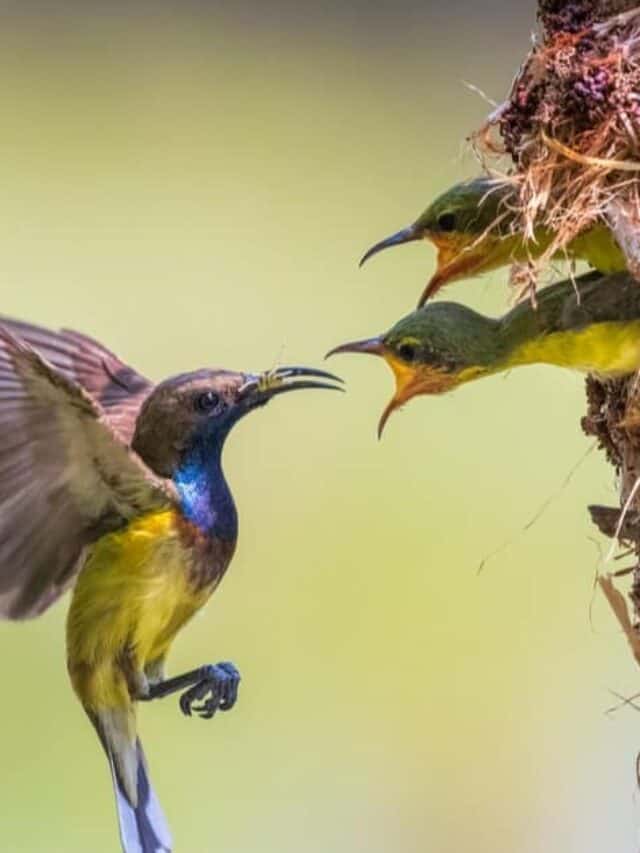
(571, 126)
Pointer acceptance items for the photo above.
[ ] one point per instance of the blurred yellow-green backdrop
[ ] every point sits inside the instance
(193, 183)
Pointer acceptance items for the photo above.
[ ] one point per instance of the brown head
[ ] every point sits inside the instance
(203, 407)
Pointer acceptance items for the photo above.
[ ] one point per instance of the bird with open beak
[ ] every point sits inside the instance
(474, 228)
(591, 324)
(115, 486)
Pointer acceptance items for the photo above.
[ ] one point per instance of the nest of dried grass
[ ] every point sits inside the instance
(571, 126)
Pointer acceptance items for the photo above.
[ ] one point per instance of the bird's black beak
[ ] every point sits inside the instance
(371, 346)
(407, 235)
(261, 387)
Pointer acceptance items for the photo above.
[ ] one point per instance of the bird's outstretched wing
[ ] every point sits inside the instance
(66, 476)
(118, 388)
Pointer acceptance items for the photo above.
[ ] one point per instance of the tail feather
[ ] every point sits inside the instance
(143, 828)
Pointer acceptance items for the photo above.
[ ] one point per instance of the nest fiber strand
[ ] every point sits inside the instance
(571, 126)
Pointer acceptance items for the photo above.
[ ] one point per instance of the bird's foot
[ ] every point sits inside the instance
(209, 689)
(216, 690)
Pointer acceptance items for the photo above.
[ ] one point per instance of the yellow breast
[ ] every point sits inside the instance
(599, 249)
(134, 593)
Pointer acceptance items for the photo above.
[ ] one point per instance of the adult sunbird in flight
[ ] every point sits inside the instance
(472, 225)
(591, 324)
(116, 485)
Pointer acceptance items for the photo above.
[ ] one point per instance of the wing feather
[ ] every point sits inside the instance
(119, 389)
(66, 475)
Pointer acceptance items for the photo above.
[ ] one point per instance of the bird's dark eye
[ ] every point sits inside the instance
(447, 222)
(407, 352)
(207, 402)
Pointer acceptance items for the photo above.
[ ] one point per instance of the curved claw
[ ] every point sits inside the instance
(185, 703)
(207, 710)
(217, 690)
(231, 687)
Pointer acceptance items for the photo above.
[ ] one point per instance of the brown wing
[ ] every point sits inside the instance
(118, 388)
(66, 476)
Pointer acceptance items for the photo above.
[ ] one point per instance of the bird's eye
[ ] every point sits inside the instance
(447, 222)
(407, 352)
(207, 402)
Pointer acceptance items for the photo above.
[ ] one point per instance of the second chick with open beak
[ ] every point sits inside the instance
(412, 377)
(590, 324)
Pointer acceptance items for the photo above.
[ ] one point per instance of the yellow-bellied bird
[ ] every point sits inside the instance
(116, 485)
(591, 324)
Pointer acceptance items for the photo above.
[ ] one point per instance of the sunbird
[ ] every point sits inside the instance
(590, 324)
(115, 485)
(473, 228)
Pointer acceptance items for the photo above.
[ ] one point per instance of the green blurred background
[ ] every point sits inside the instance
(193, 184)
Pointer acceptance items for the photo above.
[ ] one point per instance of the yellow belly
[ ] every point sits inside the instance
(608, 349)
(598, 247)
(133, 595)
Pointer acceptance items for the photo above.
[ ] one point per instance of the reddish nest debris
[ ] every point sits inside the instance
(571, 126)
(571, 17)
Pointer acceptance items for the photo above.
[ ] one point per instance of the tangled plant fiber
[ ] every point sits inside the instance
(571, 126)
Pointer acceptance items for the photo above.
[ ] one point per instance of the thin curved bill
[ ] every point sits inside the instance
(370, 346)
(404, 375)
(407, 235)
(263, 386)
(406, 378)
(458, 260)
(455, 261)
